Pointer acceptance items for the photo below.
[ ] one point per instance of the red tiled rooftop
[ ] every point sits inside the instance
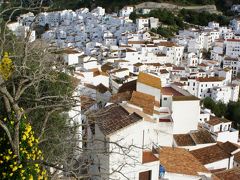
(234, 40)
(170, 91)
(148, 156)
(165, 120)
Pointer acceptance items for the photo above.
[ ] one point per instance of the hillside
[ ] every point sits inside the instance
(114, 5)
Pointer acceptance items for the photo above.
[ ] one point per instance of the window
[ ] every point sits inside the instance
(165, 99)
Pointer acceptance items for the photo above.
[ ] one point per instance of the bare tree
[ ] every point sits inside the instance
(39, 84)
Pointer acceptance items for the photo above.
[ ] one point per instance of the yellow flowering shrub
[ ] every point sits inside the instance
(6, 66)
(27, 165)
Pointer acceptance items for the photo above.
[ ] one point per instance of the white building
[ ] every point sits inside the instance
(180, 164)
(126, 11)
(233, 47)
(142, 24)
(221, 129)
(113, 129)
(213, 157)
(232, 63)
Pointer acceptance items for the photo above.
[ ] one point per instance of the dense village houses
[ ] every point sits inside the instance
(141, 94)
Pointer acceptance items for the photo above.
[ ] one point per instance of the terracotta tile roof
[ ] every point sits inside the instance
(233, 40)
(229, 147)
(180, 161)
(128, 86)
(216, 120)
(93, 69)
(237, 157)
(230, 174)
(149, 80)
(113, 118)
(202, 137)
(120, 97)
(120, 70)
(100, 88)
(167, 44)
(144, 101)
(185, 98)
(107, 67)
(130, 50)
(138, 42)
(153, 64)
(227, 58)
(203, 65)
(193, 138)
(178, 68)
(183, 79)
(86, 102)
(210, 79)
(138, 64)
(178, 84)
(170, 91)
(148, 156)
(210, 154)
(183, 140)
(96, 73)
(163, 71)
(169, 65)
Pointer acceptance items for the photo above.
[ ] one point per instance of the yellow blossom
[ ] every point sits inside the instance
(24, 137)
(6, 66)
(9, 151)
(30, 177)
(15, 168)
(7, 157)
(10, 174)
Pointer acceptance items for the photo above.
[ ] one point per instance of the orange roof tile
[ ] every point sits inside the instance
(210, 154)
(170, 91)
(210, 79)
(144, 101)
(149, 80)
(185, 98)
(148, 156)
(181, 161)
(230, 174)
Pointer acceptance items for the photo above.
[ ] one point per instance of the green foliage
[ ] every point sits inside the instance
(220, 109)
(231, 111)
(165, 32)
(114, 5)
(202, 18)
(25, 166)
(209, 103)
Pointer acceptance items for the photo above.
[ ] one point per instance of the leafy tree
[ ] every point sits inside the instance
(220, 109)
(209, 103)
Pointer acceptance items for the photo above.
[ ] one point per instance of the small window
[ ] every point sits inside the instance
(165, 99)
